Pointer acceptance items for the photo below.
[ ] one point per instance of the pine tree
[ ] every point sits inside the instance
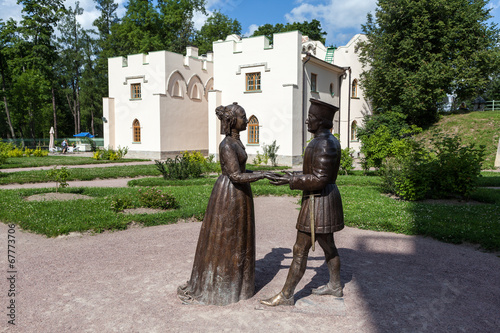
(71, 47)
(33, 68)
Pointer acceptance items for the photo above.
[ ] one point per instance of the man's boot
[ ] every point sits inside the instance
(333, 287)
(295, 273)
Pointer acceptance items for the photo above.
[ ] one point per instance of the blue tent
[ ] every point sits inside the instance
(84, 135)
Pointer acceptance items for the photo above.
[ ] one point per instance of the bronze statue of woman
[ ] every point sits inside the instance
(224, 264)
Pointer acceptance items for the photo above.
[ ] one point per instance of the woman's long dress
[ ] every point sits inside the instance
(224, 264)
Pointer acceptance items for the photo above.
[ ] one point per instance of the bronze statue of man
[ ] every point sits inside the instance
(321, 212)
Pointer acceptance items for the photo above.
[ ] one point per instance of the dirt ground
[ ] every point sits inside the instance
(126, 282)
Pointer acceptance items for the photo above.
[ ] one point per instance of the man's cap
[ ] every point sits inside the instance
(322, 109)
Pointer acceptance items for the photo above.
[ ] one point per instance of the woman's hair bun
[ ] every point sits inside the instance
(220, 112)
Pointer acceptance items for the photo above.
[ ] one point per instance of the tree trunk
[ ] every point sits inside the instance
(32, 124)
(55, 113)
(9, 122)
(73, 111)
(92, 121)
(77, 105)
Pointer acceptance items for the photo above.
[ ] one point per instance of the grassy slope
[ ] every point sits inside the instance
(480, 128)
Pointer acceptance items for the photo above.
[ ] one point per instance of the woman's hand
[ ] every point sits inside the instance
(278, 179)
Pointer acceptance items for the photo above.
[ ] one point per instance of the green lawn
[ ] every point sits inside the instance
(40, 176)
(33, 162)
(125, 171)
(364, 207)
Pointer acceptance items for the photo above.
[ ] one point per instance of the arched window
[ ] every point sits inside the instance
(354, 131)
(176, 85)
(253, 130)
(354, 92)
(332, 91)
(136, 129)
(177, 89)
(195, 94)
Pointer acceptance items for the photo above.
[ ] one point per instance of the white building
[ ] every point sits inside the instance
(353, 106)
(274, 84)
(157, 104)
(178, 95)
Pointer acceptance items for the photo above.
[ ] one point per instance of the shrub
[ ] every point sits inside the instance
(153, 197)
(16, 152)
(3, 157)
(40, 153)
(457, 166)
(59, 176)
(375, 148)
(110, 154)
(377, 135)
(118, 204)
(179, 168)
(408, 174)
(211, 165)
(28, 152)
(5, 148)
(272, 152)
(189, 165)
(347, 160)
(197, 158)
(259, 159)
(446, 169)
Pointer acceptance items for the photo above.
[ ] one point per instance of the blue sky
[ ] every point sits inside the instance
(341, 19)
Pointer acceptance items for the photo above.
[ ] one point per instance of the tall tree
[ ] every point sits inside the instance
(91, 90)
(177, 22)
(139, 30)
(218, 26)
(420, 50)
(37, 57)
(31, 95)
(493, 89)
(40, 17)
(8, 38)
(97, 53)
(70, 42)
(146, 27)
(311, 29)
(108, 17)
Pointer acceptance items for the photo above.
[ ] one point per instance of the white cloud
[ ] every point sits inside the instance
(199, 19)
(210, 6)
(251, 30)
(90, 13)
(10, 9)
(334, 15)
